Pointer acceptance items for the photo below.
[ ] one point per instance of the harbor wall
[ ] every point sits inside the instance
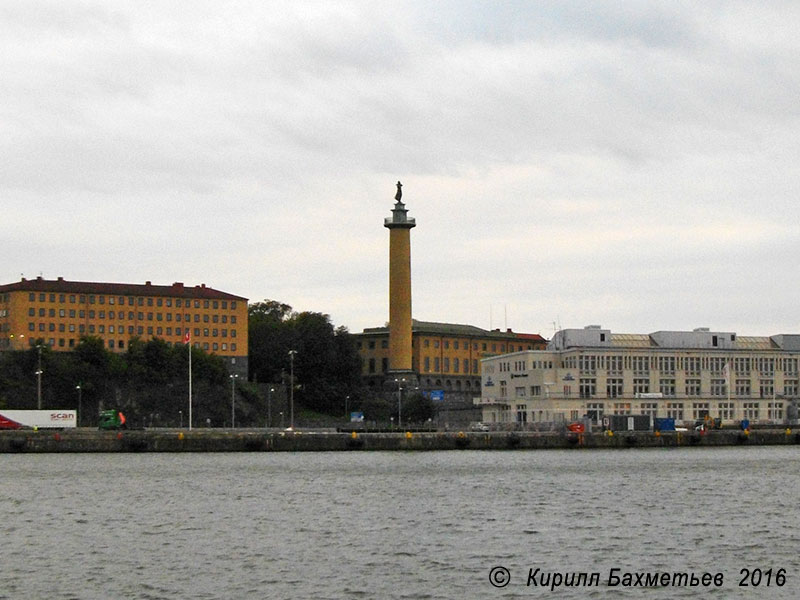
(255, 440)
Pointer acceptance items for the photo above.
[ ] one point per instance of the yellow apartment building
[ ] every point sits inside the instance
(445, 356)
(61, 312)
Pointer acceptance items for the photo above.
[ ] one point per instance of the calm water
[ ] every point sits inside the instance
(393, 525)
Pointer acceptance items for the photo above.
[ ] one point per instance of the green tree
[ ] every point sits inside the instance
(327, 367)
(417, 409)
(268, 339)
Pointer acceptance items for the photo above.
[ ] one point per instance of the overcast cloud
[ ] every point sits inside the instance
(627, 164)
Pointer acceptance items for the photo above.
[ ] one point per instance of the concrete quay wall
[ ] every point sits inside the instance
(255, 440)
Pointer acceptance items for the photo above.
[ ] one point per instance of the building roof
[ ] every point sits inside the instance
(631, 340)
(456, 329)
(60, 285)
(699, 339)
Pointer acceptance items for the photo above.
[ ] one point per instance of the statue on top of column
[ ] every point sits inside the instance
(399, 193)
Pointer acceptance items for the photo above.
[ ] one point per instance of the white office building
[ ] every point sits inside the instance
(686, 375)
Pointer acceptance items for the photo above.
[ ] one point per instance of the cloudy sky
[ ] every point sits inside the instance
(627, 164)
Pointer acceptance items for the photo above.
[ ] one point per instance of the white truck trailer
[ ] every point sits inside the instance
(40, 419)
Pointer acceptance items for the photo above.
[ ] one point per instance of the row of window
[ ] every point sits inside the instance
(699, 410)
(131, 329)
(457, 345)
(753, 411)
(589, 364)
(587, 388)
(120, 344)
(459, 366)
(132, 316)
(131, 300)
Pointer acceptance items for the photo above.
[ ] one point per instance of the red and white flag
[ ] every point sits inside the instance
(187, 337)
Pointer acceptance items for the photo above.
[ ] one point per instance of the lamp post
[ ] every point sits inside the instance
(291, 389)
(80, 412)
(234, 377)
(39, 379)
(400, 383)
(269, 406)
(180, 412)
(346, 402)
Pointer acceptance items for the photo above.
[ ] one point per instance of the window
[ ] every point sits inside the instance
(775, 411)
(675, 410)
(667, 387)
(588, 387)
(700, 410)
(765, 366)
(587, 364)
(750, 410)
(594, 411)
(692, 365)
(641, 365)
(717, 387)
(743, 388)
(692, 387)
(725, 410)
(641, 385)
(622, 408)
(649, 408)
(614, 387)
(767, 387)
(666, 364)
(741, 365)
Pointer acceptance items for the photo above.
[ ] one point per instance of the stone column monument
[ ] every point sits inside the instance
(399, 225)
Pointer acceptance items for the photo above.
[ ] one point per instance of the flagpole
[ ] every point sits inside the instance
(189, 345)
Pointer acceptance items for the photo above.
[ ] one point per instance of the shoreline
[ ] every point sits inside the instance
(310, 440)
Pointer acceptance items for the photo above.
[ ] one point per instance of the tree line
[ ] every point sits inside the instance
(292, 352)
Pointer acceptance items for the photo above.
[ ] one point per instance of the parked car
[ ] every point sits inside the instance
(478, 427)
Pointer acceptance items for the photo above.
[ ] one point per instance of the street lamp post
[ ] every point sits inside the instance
(346, 402)
(399, 383)
(269, 406)
(180, 412)
(80, 412)
(39, 379)
(291, 389)
(233, 400)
